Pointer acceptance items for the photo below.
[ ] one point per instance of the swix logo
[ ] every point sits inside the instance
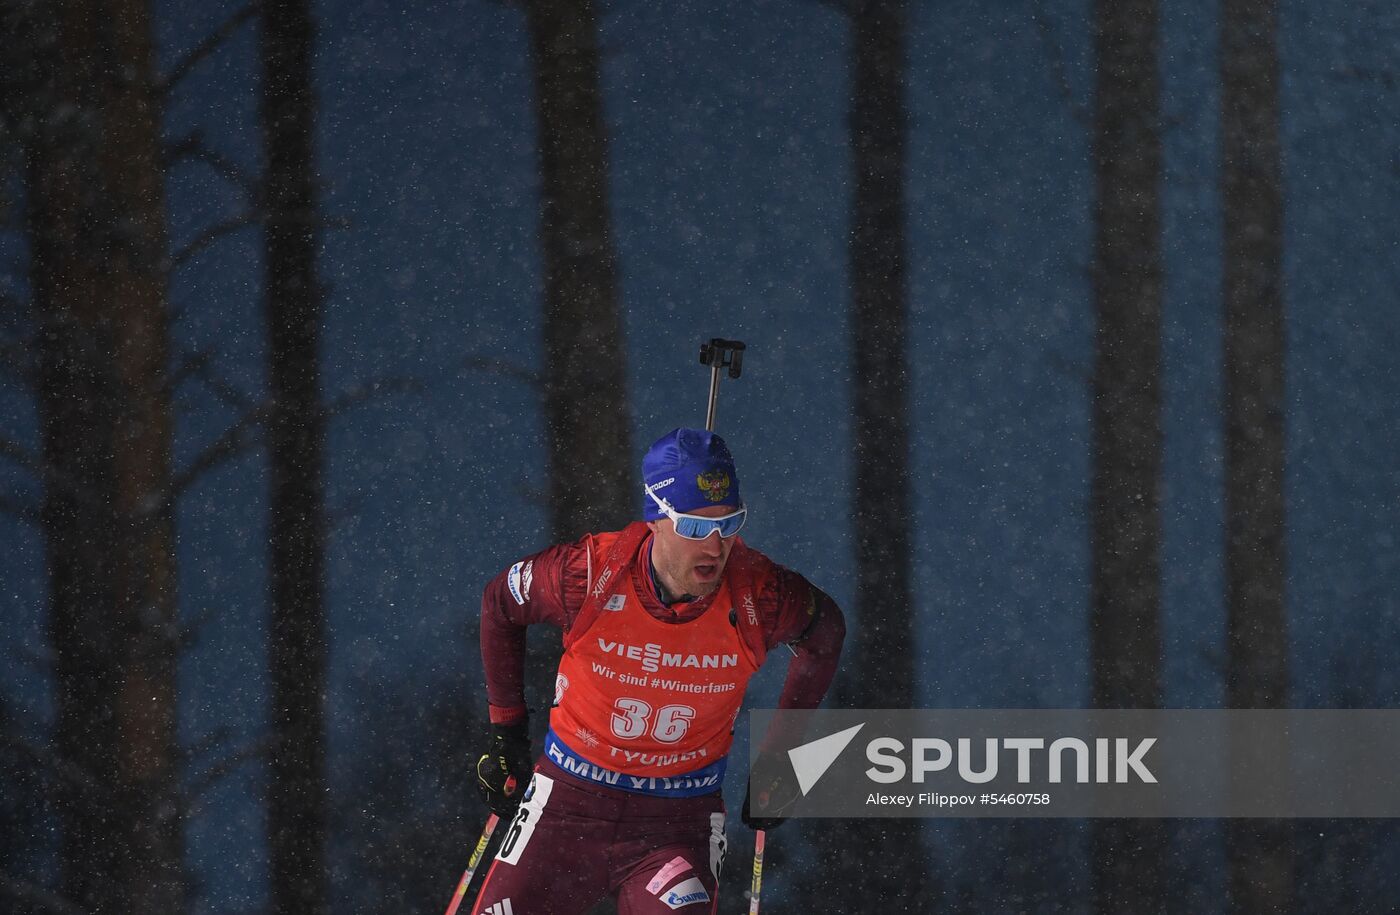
(501, 908)
(602, 582)
(653, 658)
(750, 610)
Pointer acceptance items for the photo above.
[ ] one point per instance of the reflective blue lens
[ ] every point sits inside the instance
(695, 527)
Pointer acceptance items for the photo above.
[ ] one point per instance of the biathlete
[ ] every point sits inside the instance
(664, 623)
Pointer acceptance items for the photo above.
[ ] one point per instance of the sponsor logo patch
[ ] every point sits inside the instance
(667, 873)
(616, 602)
(687, 892)
(750, 609)
(653, 658)
(561, 686)
(602, 582)
(501, 908)
(714, 484)
(519, 579)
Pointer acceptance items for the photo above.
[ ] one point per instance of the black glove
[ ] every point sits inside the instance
(773, 790)
(504, 770)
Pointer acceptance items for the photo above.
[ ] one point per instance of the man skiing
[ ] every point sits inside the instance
(664, 622)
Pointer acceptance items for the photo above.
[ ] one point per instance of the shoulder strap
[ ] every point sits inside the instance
(611, 562)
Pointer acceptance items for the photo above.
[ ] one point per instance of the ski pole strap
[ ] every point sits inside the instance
(757, 871)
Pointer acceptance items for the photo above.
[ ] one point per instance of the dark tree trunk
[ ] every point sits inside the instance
(879, 670)
(593, 485)
(883, 644)
(1125, 623)
(296, 446)
(592, 482)
(96, 225)
(1259, 852)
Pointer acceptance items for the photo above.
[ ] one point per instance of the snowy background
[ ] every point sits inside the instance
(730, 183)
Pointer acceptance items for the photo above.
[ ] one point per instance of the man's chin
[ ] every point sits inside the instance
(701, 587)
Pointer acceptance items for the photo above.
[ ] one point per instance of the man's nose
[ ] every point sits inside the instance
(711, 545)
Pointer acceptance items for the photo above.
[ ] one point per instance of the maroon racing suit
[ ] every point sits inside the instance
(577, 840)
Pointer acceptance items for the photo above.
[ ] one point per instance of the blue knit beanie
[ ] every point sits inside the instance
(690, 469)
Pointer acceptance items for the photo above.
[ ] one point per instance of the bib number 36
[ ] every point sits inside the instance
(632, 718)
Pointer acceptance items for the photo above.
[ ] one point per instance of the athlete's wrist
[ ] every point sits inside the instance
(507, 714)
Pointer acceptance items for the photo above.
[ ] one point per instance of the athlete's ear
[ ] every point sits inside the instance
(654, 526)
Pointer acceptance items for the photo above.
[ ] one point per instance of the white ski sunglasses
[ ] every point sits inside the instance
(698, 527)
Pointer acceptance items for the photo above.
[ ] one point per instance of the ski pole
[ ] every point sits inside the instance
(480, 850)
(481, 843)
(720, 354)
(757, 872)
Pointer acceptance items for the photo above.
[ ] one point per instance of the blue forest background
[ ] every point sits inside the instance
(730, 188)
